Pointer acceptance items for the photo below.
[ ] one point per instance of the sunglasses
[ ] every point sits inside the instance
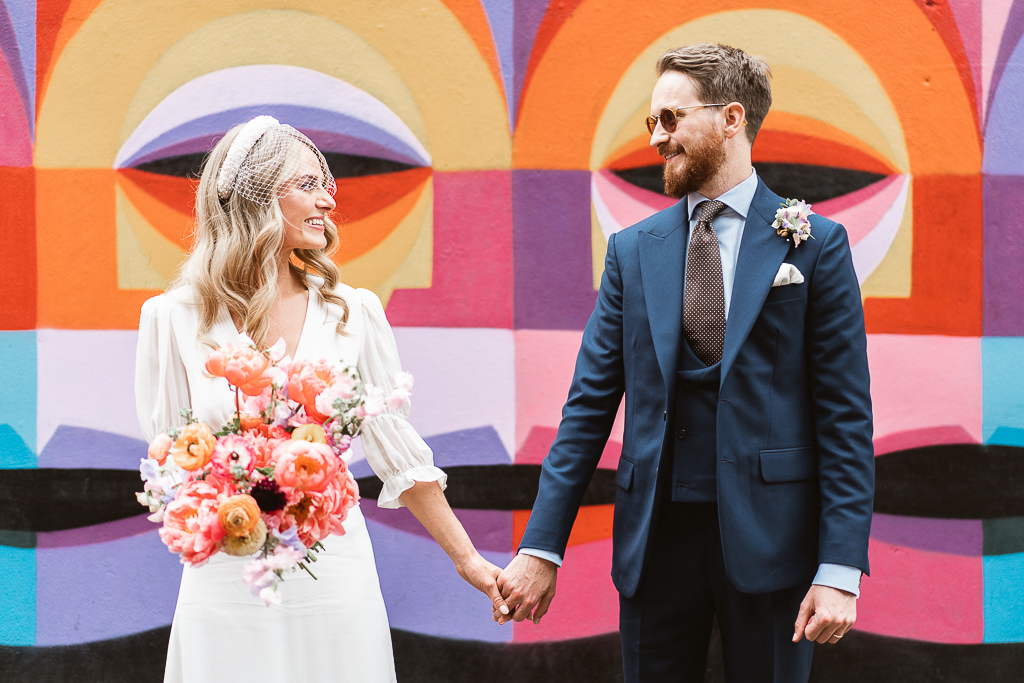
(669, 117)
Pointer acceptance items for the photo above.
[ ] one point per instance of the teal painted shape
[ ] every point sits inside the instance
(18, 391)
(1004, 598)
(1003, 535)
(1002, 390)
(18, 597)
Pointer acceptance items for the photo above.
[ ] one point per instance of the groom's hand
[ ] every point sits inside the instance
(826, 614)
(528, 586)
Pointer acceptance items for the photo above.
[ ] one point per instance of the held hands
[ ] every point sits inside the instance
(826, 614)
(481, 574)
(528, 586)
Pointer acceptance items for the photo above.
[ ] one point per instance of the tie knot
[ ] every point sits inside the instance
(707, 210)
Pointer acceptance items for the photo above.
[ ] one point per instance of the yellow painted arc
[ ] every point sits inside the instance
(892, 277)
(818, 53)
(86, 109)
(145, 258)
(268, 37)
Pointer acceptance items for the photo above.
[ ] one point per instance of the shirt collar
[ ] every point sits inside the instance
(738, 198)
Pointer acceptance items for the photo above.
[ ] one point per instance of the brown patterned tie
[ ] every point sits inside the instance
(704, 300)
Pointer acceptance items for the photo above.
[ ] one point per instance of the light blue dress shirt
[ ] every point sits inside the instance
(729, 226)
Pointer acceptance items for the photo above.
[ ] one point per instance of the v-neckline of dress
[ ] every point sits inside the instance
(229, 325)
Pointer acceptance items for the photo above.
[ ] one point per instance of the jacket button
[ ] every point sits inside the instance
(682, 433)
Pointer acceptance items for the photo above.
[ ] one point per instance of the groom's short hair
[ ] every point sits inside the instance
(725, 74)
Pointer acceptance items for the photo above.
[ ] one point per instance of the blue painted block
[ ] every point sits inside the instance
(1002, 368)
(1004, 598)
(18, 399)
(18, 597)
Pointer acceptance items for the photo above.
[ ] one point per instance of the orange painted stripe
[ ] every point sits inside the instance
(18, 288)
(593, 523)
(170, 221)
(369, 223)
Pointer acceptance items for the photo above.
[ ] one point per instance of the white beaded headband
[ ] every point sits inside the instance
(239, 150)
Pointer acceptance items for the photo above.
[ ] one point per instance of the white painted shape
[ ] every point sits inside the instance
(873, 247)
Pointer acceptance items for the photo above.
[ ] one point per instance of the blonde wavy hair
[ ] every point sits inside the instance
(234, 260)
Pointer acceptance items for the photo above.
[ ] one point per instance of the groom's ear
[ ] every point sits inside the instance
(735, 120)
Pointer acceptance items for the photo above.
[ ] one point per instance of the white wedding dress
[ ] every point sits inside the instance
(332, 629)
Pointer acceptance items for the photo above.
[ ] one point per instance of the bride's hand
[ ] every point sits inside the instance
(483, 575)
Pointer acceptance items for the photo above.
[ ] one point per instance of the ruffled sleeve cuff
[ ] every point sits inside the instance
(398, 456)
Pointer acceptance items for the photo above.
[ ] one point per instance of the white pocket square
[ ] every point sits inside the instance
(788, 275)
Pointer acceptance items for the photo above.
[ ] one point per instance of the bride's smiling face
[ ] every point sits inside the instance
(304, 205)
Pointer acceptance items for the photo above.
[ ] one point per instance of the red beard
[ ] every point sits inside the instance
(701, 162)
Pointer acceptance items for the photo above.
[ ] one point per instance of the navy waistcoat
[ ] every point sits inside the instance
(695, 446)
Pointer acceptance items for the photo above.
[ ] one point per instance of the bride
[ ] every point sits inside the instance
(261, 266)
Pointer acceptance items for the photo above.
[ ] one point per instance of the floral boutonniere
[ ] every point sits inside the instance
(791, 221)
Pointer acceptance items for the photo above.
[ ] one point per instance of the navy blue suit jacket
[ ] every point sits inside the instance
(795, 457)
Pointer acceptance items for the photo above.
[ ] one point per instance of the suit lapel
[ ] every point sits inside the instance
(762, 251)
(662, 255)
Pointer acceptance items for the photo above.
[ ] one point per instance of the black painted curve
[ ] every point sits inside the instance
(429, 659)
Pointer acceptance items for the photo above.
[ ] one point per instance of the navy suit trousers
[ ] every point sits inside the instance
(666, 625)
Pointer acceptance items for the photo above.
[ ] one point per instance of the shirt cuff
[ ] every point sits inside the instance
(839, 576)
(543, 554)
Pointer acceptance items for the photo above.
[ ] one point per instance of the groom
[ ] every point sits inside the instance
(746, 478)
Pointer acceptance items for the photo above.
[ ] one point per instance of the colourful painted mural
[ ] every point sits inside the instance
(484, 151)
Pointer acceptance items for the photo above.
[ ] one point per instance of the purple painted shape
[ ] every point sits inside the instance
(488, 529)
(325, 141)
(551, 232)
(104, 590)
(423, 592)
(527, 19)
(1003, 198)
(1013, 30)
(303, 118)
(949, 536)
(97, 533)
(81, 447)
(1004, 148)
(12, 54)
(479, 446)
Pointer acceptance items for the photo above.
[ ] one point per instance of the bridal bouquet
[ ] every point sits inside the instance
(273, 481)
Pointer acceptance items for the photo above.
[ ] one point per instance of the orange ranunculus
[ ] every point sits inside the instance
(239, 515)
(243, 367)
(194, 446)
(304, 465)
(306, 379)
(310, 432)
(160, 447)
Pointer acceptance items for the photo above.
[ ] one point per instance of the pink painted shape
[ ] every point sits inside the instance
(928, 436)
(922, 595)
(925, 381)
(16, 149)
(587, 603)
(864, 208)
(472, 267)
(628, 203)
(967, 14)
(538, 442)
(545, 360)
(994, 15)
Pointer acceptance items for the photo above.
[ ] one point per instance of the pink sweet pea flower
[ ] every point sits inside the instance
(305, 465)
(341, 388)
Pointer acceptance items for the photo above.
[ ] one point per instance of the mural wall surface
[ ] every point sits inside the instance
(485, 150)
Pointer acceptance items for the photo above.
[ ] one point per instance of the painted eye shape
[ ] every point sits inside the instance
(380, 168)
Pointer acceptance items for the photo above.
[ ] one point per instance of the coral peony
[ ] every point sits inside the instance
(160, 447)
(243, 366)
(239, 515)
(194, 446)
(306, 380)
(304, 465)
(310, 432)
(318, 514)
(191, 525)
(233, 456)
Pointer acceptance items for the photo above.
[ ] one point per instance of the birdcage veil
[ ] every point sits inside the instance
(268, 160)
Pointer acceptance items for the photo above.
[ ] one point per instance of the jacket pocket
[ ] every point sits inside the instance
(789, 464)
(624, 474)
